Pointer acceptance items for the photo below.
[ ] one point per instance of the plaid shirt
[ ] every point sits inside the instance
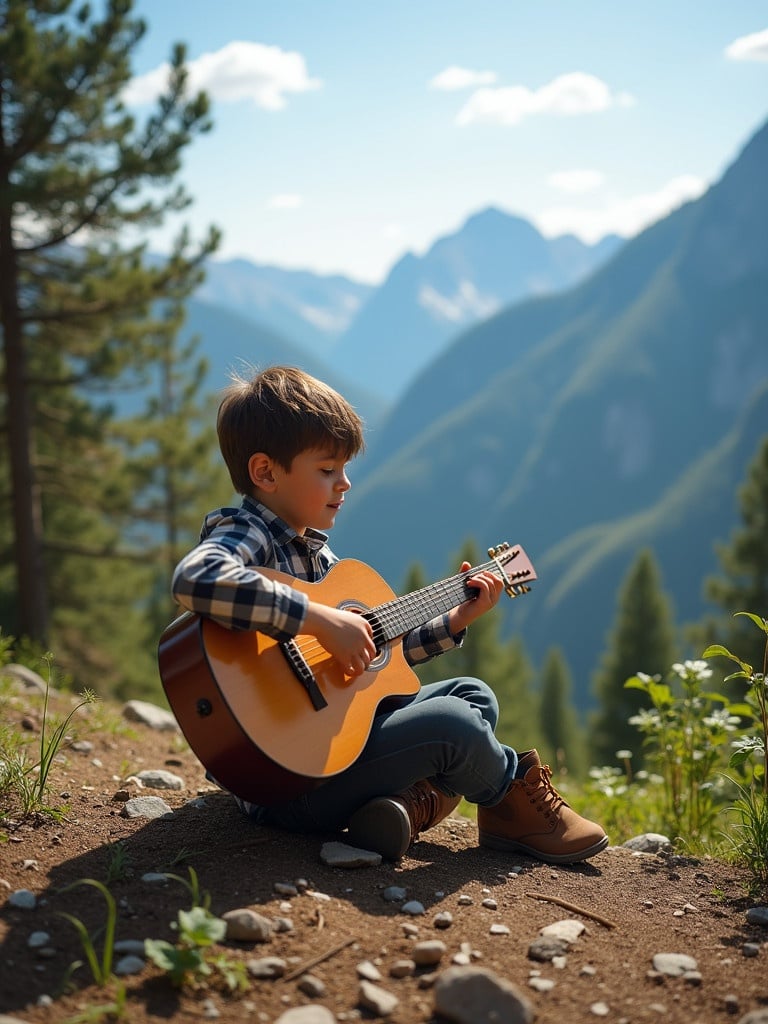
(220, 578)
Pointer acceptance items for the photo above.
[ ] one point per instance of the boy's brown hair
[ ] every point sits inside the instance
(283, 411)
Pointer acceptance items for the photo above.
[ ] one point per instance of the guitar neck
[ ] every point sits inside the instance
(397, 617)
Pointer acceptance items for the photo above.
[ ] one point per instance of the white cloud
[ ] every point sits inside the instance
(624, 217)
(576, 180)
(467, 303)
(751, 47)
(453, 78)
(285, 201)
(238, 71)
(567, 95)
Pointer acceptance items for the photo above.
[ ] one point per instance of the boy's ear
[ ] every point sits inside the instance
(260, 471)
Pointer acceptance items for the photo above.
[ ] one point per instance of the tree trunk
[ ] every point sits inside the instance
(26, 498)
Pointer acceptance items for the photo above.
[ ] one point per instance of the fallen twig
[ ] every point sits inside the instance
(572, 907)
(318, 959)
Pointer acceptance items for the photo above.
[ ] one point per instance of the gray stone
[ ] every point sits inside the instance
(22, 899)
(547, 947)
(129, 965)
(158, 778)
(27, 679)
(674, 964)
(755, 1017)
(151, 715)
(413, 907)
(758, 915)
(339, 855)
(648, 842)
(245, 925)
(567, 930)
(376, 999)
(146, 807)
(467, 995)
(394, 894)
(267, 967)
(307, 1015)
(429, 953)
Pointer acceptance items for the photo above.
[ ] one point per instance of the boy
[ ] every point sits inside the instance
(286, 439)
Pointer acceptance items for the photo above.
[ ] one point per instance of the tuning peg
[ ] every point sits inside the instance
(491, 552)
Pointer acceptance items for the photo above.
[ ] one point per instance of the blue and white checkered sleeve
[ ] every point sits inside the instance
(429, 640)
(219, 579)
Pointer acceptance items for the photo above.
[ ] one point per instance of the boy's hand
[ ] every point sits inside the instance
(489, 587)
(345, 635)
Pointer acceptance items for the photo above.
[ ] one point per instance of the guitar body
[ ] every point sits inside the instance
(246, 715)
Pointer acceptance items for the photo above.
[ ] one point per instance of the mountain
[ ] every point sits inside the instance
(494, 260)
(589, 424)
(312, 309)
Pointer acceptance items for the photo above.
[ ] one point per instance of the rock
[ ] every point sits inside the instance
(307, 1015)
(758, 915)
(467, 995)
(567, 930)
(158, 778)
(674, 964)
(311, 986)
(429, 953)
(246, 925)
(129, 965)
(443, 920)
(402, 969)
(413, 907)
(755, 1017)
(22, 899)
(25, 677)
(368, 971)
(146, 807)
(151, 715)
(339, 855)
(377, 1000)
(267, 967)
(648, 842)
(394, 894)
(546, 948)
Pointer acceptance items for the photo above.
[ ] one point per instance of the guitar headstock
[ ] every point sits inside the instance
(514, 567)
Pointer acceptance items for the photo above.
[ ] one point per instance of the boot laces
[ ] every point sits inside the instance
(421, 802)
(542, 794)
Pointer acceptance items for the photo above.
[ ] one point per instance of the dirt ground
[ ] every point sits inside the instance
(633, 907)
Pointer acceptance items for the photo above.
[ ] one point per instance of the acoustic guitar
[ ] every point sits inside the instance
(272, 720)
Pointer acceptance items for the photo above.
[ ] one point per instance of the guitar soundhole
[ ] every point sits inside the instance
(204, 707)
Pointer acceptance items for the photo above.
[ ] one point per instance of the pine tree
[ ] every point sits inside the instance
(563, 742)
(642, 640)
(743, 586)
(173, 467)
(77, 308)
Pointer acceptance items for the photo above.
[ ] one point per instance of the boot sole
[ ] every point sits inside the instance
(382, 826)
(511, 846)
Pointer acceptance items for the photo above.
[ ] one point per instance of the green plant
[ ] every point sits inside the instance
(118, 863)
(750, 839)
(114, 1010)
(687, 730)
(28, 780)
(101, 967)
(189, 962)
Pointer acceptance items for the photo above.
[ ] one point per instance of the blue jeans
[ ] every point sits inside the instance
(444, 733)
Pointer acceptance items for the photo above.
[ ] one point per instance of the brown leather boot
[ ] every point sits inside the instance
(389, 824)
(533, 818)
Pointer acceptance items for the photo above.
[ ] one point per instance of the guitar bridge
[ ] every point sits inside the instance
(303, 673)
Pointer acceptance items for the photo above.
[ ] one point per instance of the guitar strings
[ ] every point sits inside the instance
(396, 617)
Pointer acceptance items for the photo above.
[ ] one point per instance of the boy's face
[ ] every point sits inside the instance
(310, 493)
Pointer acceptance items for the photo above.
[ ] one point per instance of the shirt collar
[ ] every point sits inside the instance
(280, 530)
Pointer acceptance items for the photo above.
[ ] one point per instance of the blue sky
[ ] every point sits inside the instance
(347, 133)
